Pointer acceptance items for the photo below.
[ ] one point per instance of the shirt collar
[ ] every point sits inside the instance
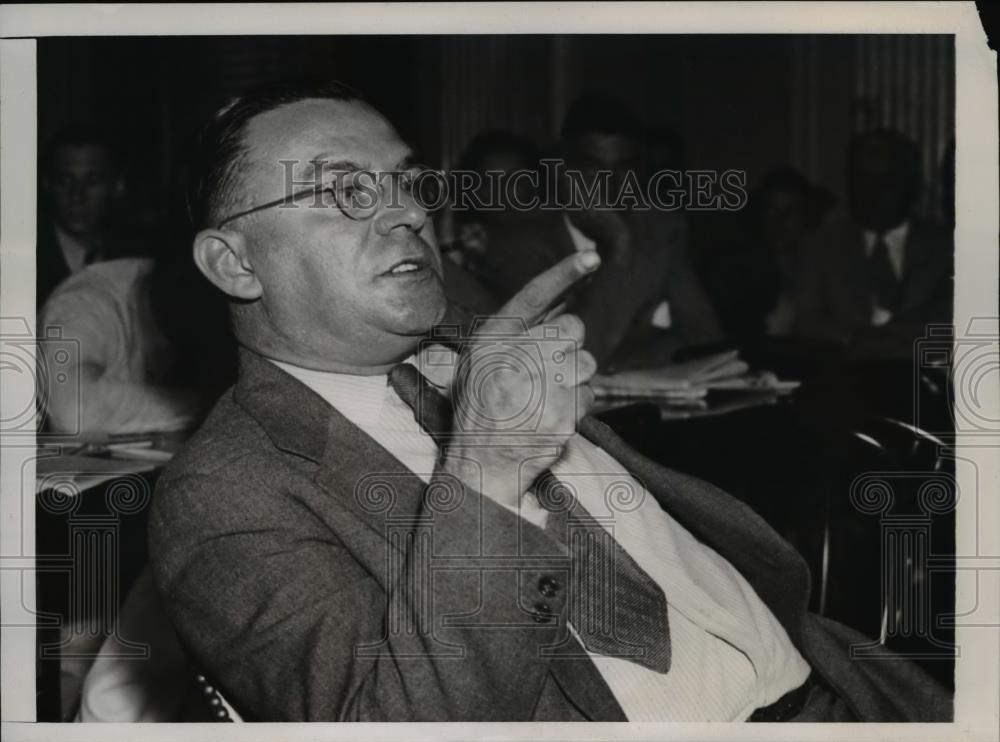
(895, 238)
(358, 398)
(361, 398)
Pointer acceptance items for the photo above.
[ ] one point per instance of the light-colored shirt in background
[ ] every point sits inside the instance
(895, 240)
(100, 320)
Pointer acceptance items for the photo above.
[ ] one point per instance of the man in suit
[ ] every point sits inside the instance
(82, 179)
(647, 301)
(876, 282)
(373, 527)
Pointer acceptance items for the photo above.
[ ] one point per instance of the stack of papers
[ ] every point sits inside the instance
(54, 470)
(690, 381)
(90, 460)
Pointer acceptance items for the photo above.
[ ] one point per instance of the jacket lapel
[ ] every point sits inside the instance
(368, 480)
(293, 415)
(357, 473)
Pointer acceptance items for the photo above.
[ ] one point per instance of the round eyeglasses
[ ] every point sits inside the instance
(360, 194)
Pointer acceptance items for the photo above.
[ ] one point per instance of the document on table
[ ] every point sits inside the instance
(685, 380)
(79, 466)
(690, 380)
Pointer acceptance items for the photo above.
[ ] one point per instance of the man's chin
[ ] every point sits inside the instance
(418, 317)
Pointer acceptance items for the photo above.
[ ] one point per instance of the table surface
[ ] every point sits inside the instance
(82, 462)
(716, 402)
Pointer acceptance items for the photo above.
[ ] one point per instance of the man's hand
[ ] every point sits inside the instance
(521, 387)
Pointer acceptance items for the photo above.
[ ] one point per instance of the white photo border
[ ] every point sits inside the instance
(977, 699)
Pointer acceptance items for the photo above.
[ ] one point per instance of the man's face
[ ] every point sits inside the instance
(783, 219)
(879, 194)
(334, 287)
(594, 152)
(82, 183)
(521, 192)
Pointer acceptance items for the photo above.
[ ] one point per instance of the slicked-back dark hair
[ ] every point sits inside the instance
(903, 151)
(220, 149)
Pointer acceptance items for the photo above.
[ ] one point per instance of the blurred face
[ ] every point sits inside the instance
(879, 194)
(82, 183)
(783, 220)
(520, 190)
(354, 291)
(595, 152)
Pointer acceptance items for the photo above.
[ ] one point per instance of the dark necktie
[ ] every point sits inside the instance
(614, 606)
(882, 276)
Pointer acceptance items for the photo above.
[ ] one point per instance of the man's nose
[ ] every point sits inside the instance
(77, 191)
(403, 210)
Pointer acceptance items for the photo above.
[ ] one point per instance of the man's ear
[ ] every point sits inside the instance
(222, 257)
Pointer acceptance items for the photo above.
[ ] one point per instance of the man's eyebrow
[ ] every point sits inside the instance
(323, 165)
(347, 166)
(408, 160)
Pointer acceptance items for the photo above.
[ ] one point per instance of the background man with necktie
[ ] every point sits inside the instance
(648, 302)
(82, 181)
(877, 281)
(371, 526)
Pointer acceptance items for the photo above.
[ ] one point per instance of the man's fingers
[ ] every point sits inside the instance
(534, 300)
(550, 315)
(575, 368)
(569, 330)
(584, 401)
(586, 367)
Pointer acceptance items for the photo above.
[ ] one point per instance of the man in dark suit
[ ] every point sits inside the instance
(876, 282)
(81, 180)
(647, 301)
(350, 538)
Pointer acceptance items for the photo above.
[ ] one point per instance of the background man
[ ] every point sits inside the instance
(82, 180)
(348, 539)
(878, 280)
(647, 301)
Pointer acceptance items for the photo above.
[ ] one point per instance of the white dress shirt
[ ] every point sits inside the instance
(103, 310)
(729, 654)
(895, 240)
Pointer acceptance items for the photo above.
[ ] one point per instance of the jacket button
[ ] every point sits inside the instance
(542, 613)
(548, 586)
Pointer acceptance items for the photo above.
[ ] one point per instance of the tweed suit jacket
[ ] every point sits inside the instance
(316, 578)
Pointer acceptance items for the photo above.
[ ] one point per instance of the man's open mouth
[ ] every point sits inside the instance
(410, 265)
(407, 267)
